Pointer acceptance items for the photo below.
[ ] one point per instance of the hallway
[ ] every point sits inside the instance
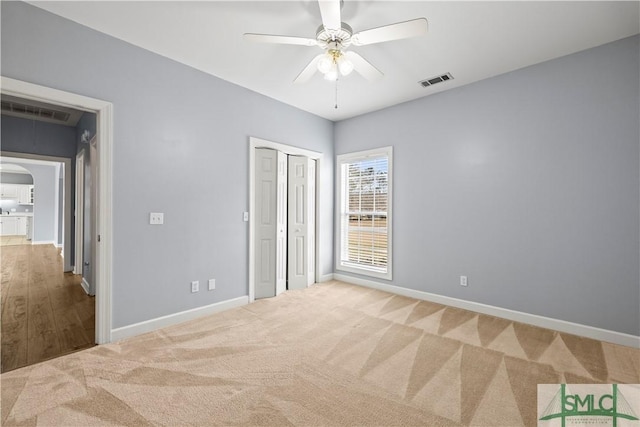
(45, 312)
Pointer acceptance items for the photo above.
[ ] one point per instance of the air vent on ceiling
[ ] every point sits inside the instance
(434, 80)
(35, 110)
(30, 110)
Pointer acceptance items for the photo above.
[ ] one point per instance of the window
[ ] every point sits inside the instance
(364, 212)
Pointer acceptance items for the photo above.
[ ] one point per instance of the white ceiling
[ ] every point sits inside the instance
(471, 40)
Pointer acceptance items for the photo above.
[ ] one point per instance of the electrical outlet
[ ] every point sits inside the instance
(212, 284)
(156, 218)
(195, 286)
(463, 280)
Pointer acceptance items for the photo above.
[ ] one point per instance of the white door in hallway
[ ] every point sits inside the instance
(301, 224)
(79, 215)
(94, 208)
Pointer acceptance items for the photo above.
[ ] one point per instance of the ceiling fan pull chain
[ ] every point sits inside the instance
(336, 106)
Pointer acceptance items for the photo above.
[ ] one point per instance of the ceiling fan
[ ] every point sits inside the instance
(335, 37)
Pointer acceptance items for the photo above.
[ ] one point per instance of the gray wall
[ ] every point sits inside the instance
(527, 183)
(33, 137)
(180, 147)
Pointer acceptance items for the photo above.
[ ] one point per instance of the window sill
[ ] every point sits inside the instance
(363, 271)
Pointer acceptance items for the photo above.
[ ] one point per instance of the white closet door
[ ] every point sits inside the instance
(311, 244)
(301, 224)
(281, 225)
(266, 222)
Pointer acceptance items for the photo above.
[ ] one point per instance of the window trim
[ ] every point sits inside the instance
(341, 159)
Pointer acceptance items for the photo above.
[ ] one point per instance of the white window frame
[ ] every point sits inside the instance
(341, 193)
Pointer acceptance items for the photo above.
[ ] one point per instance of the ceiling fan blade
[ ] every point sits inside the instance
(308, 71)
(363, 66)
(330, 11)
(269, 38)
(401, 30)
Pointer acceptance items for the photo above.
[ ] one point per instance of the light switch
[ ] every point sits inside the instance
(245, 216)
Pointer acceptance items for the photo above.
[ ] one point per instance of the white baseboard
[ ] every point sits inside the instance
(43, 242)
(505, 313)
(173, 319)
(85, 285)
(326, 278)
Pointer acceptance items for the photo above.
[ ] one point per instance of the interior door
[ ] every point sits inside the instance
(281, 226)
(271, 222)
(301, 222)
(79, 215)
(94, 202)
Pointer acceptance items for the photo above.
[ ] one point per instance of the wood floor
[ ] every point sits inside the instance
(45, 312)
(14, 240)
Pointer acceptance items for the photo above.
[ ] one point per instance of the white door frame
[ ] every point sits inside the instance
(79, 215)
(104, 132)
(287, 149)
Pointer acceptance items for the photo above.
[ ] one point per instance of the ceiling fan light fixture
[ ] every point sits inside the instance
(344, 65)
(325, 64)
(332, 75)
(334, 62)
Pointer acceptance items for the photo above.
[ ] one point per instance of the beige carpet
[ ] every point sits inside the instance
(333, 354)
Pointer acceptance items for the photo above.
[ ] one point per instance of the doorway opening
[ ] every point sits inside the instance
(45, 312)
(283, 208)
(103, 183)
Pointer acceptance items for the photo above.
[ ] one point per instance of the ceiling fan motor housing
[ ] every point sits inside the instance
(334, 38)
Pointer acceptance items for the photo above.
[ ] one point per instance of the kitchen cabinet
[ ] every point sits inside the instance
(21, 225)
(29, 225)
(14, 225)
(9, 226)
(9, 191)
(25, 194)
(22, 192)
